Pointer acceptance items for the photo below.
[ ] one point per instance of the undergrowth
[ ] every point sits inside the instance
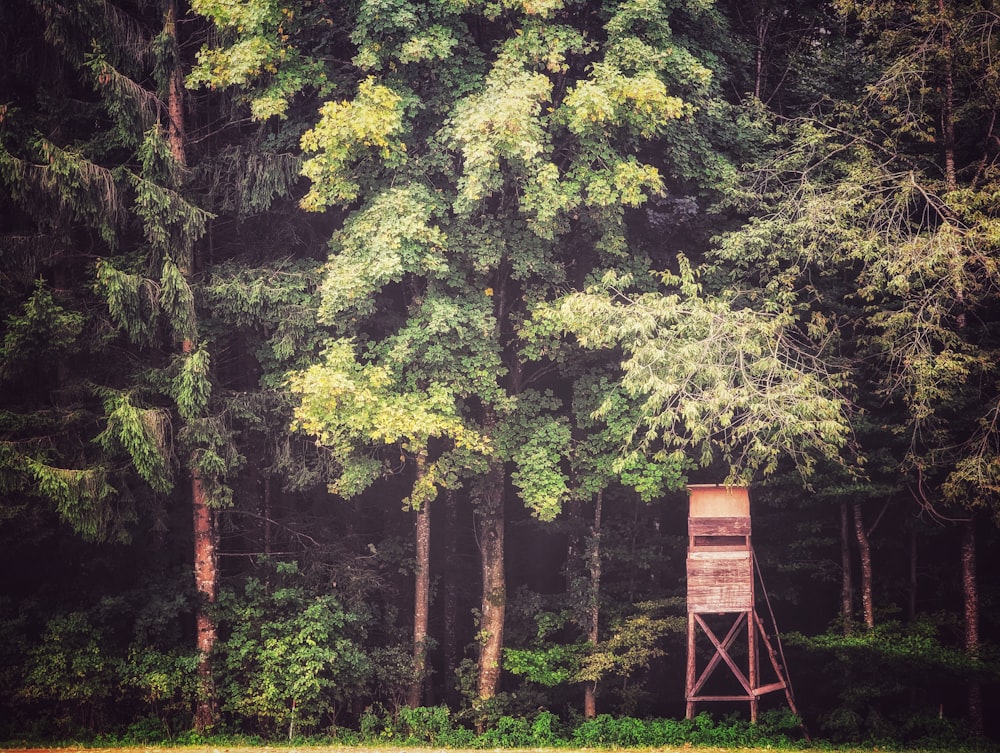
(437, 727)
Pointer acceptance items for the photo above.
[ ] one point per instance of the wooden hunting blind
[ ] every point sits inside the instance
(720, 601)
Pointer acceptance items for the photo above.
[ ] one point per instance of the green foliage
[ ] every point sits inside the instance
(166, 681)
(347, 133)
(431, 726)
(888, 681)
(349, 406)
(259, 49)
(634, 642)
(142, 433)
(277, 302)
(192, 387)
(549, 666)
(714, 379)
(370, 253)
(42, 329)
(64, 184)
(131, 300)
(290, 655)
(70, 668)
(605, 731)
(538, 445)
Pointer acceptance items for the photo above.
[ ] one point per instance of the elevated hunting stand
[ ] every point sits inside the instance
(720, 586)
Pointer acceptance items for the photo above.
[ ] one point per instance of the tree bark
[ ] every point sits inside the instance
(970, 597)
(206, 583)
(449, 629)
(594, 602)
(422, 591)
(205, 534)
(490, 527)
(867, 604)
(847, 576)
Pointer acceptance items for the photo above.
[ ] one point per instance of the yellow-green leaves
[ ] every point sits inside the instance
(500, 128)
(610, 99)
(258, 53)
(714, 379)
(394, 234)
(352, 407)
(349, 133)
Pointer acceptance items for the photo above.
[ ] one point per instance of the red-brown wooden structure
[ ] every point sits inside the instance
(720, 581)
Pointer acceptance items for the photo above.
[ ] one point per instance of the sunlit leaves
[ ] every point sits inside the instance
(609, 98)
(259, 53)
(500, 124)
(348, 133)
(371, 252)
(719, 380)
(634, 642)
(351, 406)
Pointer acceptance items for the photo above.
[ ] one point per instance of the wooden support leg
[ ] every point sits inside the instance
(691, 668)
(752, 666)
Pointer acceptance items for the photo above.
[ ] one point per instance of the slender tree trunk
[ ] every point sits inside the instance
(847, 576)
(594, 602)
(948, 103)
(205, 534)
(267, 535)
(911, 606)
(762, 24)
(422, 591)
(449, 636)
(490, 526)
(970, 595)
(867, 603)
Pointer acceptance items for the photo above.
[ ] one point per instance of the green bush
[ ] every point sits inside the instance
(289, 657)
(70, 676)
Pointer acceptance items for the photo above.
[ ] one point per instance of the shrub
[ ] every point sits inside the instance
(290, 655)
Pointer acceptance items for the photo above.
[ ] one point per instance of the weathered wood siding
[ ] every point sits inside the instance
(719, 581)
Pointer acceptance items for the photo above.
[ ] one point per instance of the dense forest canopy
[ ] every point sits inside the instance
(356, 356)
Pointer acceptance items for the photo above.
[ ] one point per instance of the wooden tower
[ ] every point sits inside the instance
(720, 597)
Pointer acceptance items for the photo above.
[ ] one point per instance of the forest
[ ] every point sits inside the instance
(357, 356)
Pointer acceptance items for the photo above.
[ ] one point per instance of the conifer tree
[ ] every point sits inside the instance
(117, 172)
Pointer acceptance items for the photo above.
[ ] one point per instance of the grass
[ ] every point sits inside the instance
(222, 748)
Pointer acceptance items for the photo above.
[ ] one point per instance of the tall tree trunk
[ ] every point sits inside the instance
(594, 602)
(970, 597)
(206, 582)
(449, 631)
(846, 574)
(867, 604)
(490, 527)
(422, 590)
(205, 534)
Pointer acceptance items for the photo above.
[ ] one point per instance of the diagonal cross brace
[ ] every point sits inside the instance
(722, 654)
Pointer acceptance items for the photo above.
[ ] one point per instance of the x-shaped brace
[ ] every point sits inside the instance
(722, 654)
